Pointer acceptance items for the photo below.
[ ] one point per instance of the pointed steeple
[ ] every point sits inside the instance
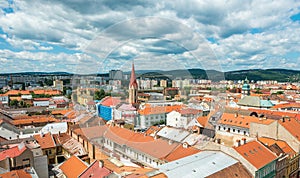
(133, 82)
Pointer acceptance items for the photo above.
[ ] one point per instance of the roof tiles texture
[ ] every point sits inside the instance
(242, 121)
(256, 154)
(73, 167)
(45, 140)
(16, 174)
(12, 152)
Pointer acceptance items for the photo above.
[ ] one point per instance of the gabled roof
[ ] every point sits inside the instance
(236, 170)
(110, 101)
(256, 154)
(282, 144)
(250, 101)
(291, 125)
(95, 170)
(45, 140)
(13, 152)
(73, 167)
(181, 152)
(203, 120)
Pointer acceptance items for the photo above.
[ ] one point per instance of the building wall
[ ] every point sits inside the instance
(18, 161)
(105, 112)
(275, 131)
(149, 120)
(233, 129)
(261, 130)
(41, 166)
(51, 154)
(267, 171)
(4, 99)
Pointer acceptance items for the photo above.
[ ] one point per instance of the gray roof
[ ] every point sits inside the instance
(250, 101)
(173, 134)
(198, 165)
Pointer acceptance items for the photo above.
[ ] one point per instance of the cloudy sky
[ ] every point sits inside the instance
(87, 36)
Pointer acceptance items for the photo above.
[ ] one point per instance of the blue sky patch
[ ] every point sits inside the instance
(295, 17)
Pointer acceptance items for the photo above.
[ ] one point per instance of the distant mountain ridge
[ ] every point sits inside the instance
(281, 75)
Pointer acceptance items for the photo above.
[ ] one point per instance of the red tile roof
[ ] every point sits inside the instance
(287, 105)
(148, 109)
(256, 154)
(242, 121)
(203, 120)
(95, 170)
(282, 144)
(33, 119)
(73, 167)
(110, 101)
(41, 99)
(181, 152)
(17, 92)
(45, 140)
(292, 125)
(16, 174)
(12, 152)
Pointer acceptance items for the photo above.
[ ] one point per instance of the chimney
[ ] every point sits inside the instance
(238, 143)
(244, 141)
(283, 119)
(101, 163)
(236, 115)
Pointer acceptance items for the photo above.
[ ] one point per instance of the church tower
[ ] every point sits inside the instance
(133, 87)
(246, 88)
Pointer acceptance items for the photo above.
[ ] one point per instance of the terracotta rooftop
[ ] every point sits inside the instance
(45, 140)
(18, 98)
(241, 120)
(110, 101)
(148, 109)
(291, 125)
(95, 170)
(33, 119)
(282, 144)
(287, 105)
(181, 152)
(152, 130)
(13, 152)
(41, 99)
(256, 154)
(236, 170)
(61, 112)
(16, 174)
(73, 167)
(203, 120)
(17, 92)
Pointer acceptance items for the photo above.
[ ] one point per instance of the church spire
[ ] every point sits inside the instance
(133, 82)
(133, 87)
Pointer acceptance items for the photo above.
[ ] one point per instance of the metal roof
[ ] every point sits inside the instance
(173, 134)
(198, 165)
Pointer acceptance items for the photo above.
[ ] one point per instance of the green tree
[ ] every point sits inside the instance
(14, 103)
(99, 95)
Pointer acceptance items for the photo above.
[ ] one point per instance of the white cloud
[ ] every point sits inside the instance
(85, 26)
